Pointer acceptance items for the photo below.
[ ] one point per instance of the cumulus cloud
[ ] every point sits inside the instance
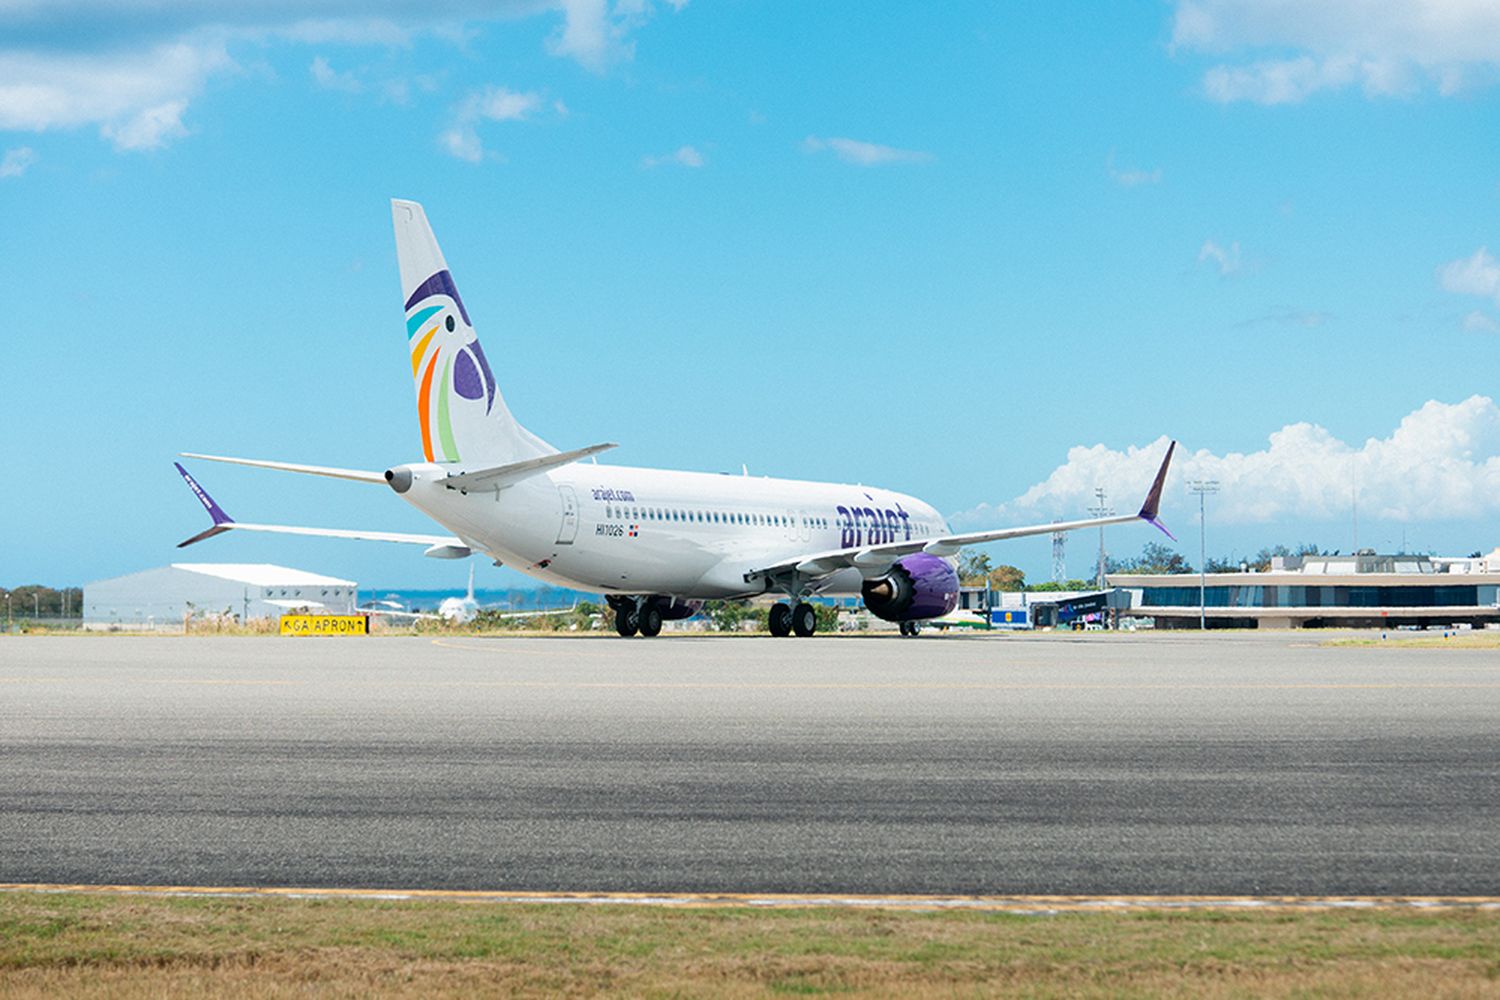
(1226, 259)
(1442, 462)
(16, 161)
(137, 99)
(863, 154)
(1296, 49)
(133, 69)
(491, 104)
(1476, 275)
(683, 156)
(597, 35)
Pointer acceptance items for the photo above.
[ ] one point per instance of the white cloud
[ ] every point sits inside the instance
(1476, 275)
(1474, 322)
(863, 154)
(136, 99)
(463, 143)
(1385, 47)
(596, 35)
(1441, 463)
(150, 128)
(1227, 259)
(492, 104)
(330, 79)
(16, 161)
(1130, 177)
(133, 69)
(683, 156)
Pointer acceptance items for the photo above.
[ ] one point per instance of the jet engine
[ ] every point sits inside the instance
(918, 586)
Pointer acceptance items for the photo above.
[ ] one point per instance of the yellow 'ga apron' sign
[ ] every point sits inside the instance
(325, 624)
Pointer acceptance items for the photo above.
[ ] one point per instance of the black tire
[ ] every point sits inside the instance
(905, 628)
(914, 629)
(804, 620)
(780, 620)
(627, 620)
(650, 621)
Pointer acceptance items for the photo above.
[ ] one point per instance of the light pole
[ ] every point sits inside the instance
(1101, 509)
(1202, 487)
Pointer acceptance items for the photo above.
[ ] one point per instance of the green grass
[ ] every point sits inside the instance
(112, 945)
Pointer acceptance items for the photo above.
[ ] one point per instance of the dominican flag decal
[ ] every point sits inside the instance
(635, 529)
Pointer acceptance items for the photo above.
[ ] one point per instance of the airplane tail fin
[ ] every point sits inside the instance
(463, 417)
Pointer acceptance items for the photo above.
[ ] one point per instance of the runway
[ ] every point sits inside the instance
(1100, 765)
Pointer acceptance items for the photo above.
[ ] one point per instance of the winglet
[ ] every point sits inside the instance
(222, 521)
(1153, 499)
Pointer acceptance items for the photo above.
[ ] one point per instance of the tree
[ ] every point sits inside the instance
(1066, 585)
(975, 569)
(1261, 561)
(1155, 558)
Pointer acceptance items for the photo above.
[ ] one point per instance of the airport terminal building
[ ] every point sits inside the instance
(165, 596)
(1354, 591)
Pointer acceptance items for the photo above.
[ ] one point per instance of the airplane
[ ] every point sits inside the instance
(459, 610)
(656, 543)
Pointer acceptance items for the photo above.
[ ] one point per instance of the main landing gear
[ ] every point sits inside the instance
(784, 620)
(632, 617)
(910, 629)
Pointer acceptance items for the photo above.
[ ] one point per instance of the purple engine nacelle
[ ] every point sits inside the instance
(918, 586)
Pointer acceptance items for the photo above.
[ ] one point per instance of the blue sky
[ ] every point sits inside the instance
(991, 254)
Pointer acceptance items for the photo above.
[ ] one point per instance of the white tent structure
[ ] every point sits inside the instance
(239, 591)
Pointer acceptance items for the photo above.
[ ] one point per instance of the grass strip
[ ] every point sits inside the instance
(87, 945)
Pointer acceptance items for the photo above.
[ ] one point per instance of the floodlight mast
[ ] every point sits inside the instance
(1202, 487)
(1100, 509)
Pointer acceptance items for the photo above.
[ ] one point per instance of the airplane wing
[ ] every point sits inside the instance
(875, 560)
(440, 546)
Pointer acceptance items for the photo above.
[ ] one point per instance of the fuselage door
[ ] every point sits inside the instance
(568, 530)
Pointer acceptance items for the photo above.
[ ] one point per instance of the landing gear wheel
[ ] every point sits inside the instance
(910, 628)
(804, 620)
(650, 620)
(780, 620)
(627, 620)
(905, 628)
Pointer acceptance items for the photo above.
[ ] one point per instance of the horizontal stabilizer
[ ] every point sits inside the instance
(501, 476)
(359, 475)
(223, 522)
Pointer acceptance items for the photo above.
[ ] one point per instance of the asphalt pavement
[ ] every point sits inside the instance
(1093, 764)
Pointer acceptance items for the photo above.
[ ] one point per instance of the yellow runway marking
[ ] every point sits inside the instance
(1019, 903)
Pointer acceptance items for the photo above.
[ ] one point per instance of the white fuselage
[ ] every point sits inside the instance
(621, 530)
